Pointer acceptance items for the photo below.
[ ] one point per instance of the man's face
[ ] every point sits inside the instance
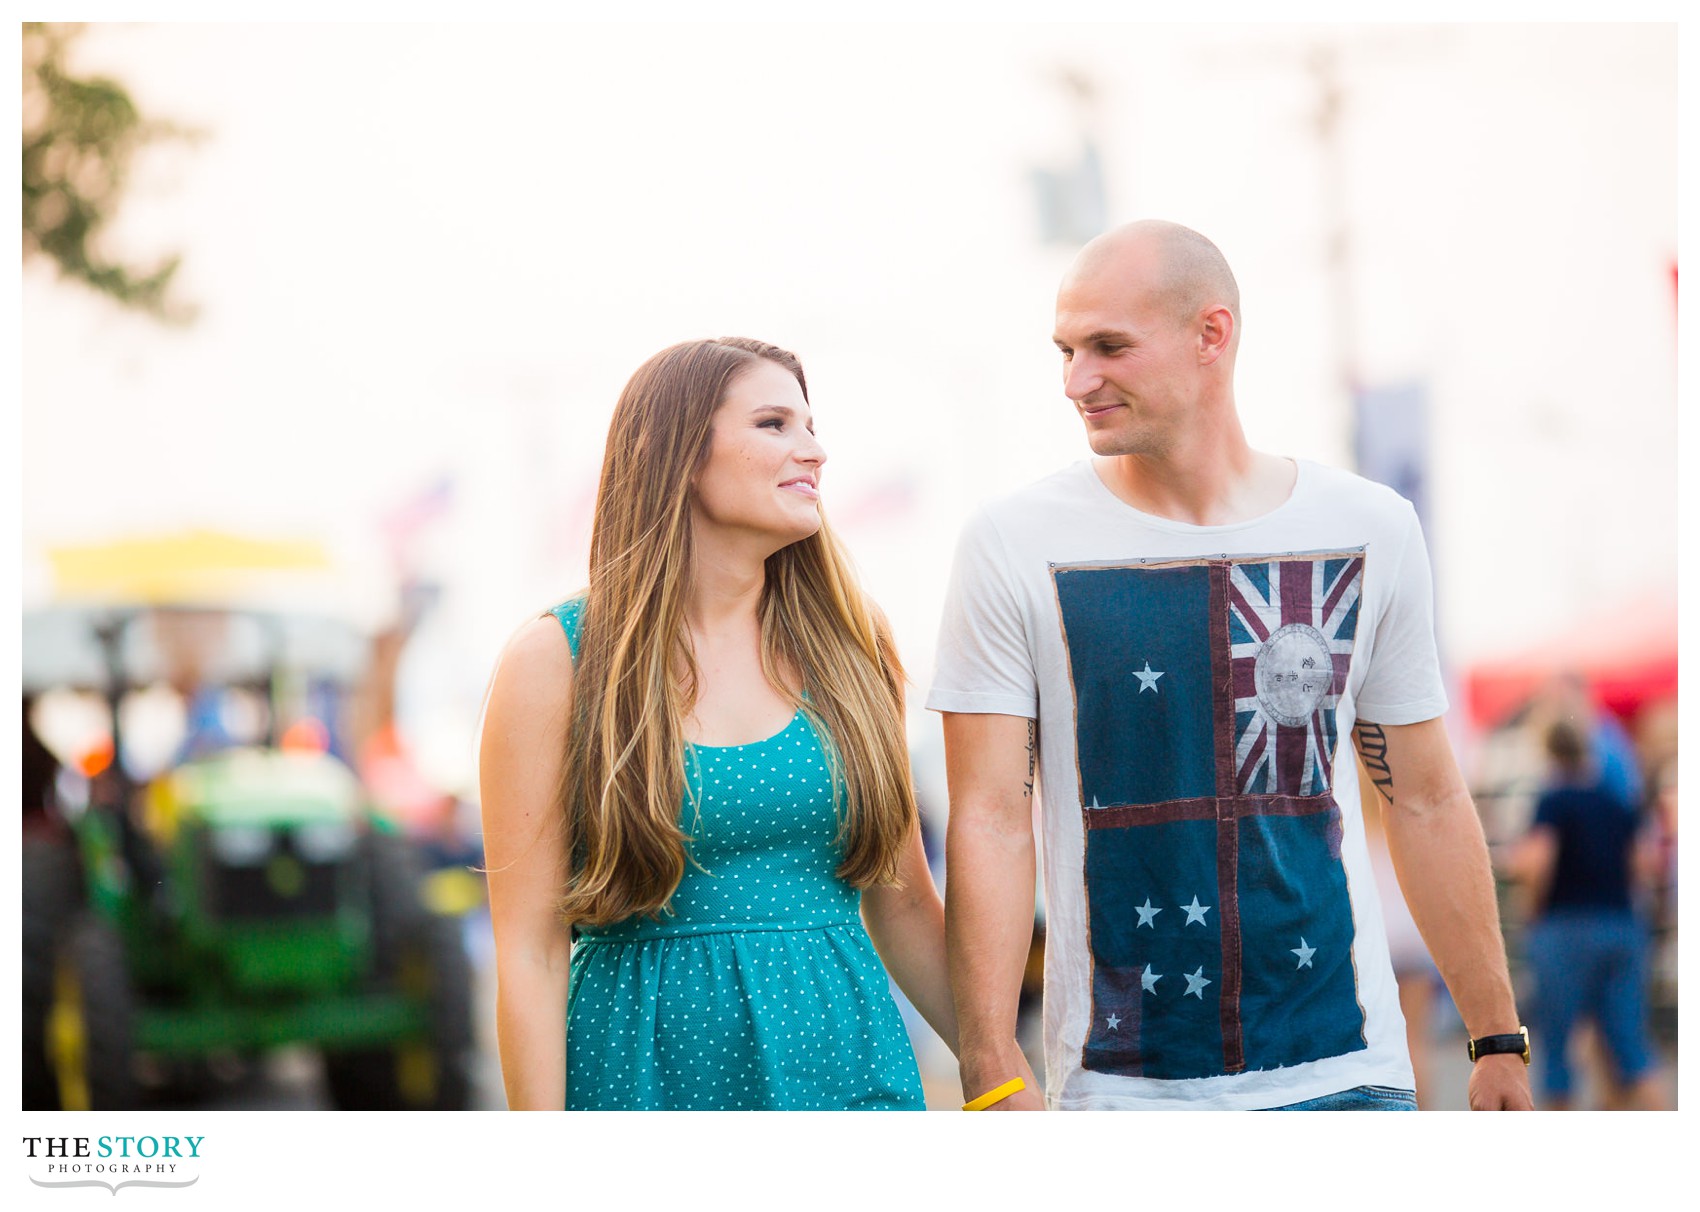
(1130, 365)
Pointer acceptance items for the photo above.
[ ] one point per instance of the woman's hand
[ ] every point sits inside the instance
(907, 927)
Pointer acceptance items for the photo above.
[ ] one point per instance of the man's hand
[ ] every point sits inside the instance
(1500, 1083)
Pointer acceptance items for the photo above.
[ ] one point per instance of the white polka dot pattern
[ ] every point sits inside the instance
(761, 989)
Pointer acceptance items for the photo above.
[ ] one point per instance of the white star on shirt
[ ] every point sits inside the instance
(1149, 978)
(1196, 982)
(1304, 952)
(1146, 913)
(1195, 913)
(1112, 1021)
(1147, 679)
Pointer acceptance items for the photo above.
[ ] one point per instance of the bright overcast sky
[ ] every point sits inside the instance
(422, 251)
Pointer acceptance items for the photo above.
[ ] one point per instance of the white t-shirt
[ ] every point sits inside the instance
(1213, 934)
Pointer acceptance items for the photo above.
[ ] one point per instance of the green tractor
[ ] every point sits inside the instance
(246, 898)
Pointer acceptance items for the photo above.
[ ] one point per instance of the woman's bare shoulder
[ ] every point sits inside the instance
(535, 669)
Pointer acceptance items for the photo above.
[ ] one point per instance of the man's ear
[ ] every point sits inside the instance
(1215, 334)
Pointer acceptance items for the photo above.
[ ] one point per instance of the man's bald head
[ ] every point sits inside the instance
(1182, 271)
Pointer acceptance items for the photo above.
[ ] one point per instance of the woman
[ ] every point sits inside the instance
(698, 766)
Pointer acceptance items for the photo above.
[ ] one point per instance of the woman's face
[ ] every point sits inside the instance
(762, 475)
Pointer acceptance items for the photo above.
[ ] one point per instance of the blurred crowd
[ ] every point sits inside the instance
(1579, 803)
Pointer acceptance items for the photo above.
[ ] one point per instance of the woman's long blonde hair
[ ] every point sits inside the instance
(624, 777)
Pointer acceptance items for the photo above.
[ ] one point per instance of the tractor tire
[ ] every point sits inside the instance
(91, 1018)
(52, 896)
(430, 1074)
(396, 872)
(420, 953)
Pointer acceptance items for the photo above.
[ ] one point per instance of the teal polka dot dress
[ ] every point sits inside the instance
(762, 990)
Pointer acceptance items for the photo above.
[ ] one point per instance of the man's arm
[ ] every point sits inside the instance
(990, 761)
(1441, 858)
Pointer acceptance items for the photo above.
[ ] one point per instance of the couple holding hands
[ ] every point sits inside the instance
(703, 847)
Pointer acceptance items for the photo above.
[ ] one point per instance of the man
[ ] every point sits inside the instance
(1175, 636)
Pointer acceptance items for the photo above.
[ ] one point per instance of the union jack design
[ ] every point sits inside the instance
(1291, 626)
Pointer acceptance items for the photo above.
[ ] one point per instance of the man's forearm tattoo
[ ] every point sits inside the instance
(1371, 743)
(1032, 757)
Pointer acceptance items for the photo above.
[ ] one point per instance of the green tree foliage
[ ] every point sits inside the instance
(79, 137)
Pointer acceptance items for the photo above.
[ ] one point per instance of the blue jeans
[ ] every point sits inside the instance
(1359, 1098)
(1589, 964)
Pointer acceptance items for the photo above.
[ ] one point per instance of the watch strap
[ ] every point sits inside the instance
(1489, 1045)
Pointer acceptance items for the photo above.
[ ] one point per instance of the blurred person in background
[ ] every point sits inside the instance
(1209, 943)
(698, 816)
(1581, 862)
(1612, 752)
(1664, 912)
(1663, 801)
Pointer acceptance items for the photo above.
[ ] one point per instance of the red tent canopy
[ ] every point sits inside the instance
(1627, 656)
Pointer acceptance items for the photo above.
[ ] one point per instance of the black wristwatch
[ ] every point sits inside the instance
(1487, 1045)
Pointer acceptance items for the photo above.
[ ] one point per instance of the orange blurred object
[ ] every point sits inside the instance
(402, 793)
(96, 758)
(306, 735)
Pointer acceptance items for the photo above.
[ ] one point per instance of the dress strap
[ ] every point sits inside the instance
(568, 614)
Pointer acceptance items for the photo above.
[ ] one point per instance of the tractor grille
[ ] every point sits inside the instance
(282, 884)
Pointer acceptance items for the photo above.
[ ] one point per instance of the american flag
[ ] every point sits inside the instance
(1205, 692)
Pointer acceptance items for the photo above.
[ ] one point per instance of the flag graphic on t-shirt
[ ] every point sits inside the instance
(1219, 925)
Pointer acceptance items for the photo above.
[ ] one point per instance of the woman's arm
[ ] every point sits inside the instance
(519, 768)
(907, 926)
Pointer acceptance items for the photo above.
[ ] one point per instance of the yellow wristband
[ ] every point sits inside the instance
(996, 1095)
